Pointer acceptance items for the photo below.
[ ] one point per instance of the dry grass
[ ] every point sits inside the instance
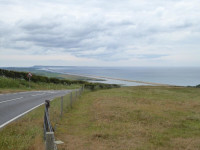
(24, 134)
(5, 91)
(133, 118)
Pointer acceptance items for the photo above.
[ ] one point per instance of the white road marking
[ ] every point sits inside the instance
(19, 115)
(22, 92)
(11, 100)
(4, 124)
(1, 126)
(51, 92)
(38, 94)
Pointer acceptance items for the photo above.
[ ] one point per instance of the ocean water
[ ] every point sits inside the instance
(180, 76)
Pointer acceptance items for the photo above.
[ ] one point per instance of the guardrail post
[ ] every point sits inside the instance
(61, 109)
(50, 141)
(48, 130)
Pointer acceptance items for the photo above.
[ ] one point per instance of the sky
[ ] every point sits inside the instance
(99, 33)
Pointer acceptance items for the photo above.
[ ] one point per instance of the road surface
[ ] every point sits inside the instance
(15, 105)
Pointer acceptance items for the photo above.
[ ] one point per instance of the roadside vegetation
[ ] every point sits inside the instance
(49, 74)
(141, 118)
(26, 133)
(198, 86)
(14, 81)
(9, 85)
(37, 78)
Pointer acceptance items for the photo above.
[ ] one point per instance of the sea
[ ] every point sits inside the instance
(178, 76)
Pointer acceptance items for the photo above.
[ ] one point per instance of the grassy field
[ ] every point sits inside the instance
(8, 85)
(133, 118)
(127, 118)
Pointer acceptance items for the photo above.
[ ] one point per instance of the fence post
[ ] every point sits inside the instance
(71, 99)
(50, 141)
(61, 109)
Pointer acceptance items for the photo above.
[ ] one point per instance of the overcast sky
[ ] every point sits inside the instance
(100, 32)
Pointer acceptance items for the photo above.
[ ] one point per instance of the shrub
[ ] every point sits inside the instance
(198, 86)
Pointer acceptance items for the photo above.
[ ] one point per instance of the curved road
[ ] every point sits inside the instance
(15, 105)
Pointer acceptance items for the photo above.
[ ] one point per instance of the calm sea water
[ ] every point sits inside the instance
(181, 76)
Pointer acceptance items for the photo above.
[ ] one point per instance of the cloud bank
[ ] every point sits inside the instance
(128, 33)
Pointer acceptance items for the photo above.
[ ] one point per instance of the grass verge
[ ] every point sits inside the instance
(26, 133)
(9, 85)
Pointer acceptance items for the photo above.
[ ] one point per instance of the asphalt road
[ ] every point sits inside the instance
(15, 105)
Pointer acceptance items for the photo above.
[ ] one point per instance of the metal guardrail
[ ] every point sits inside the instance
(47, 123)
(48, 129)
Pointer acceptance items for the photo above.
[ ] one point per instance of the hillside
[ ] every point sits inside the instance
(138, 118)
(14, 81)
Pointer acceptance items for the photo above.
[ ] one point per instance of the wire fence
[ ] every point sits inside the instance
(51, 117)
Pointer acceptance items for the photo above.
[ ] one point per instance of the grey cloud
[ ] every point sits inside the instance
(39, 28)
(98, 24)
(150, 56)
(76, 39)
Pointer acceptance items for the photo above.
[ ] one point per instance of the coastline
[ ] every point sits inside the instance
(135, 77)
(103, 78)
(143, 82)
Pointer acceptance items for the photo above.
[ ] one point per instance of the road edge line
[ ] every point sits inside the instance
(1, 126)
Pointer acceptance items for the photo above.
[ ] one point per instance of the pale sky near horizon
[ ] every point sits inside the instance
(99, 33)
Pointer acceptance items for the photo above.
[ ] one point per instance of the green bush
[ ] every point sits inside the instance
(198, 86)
